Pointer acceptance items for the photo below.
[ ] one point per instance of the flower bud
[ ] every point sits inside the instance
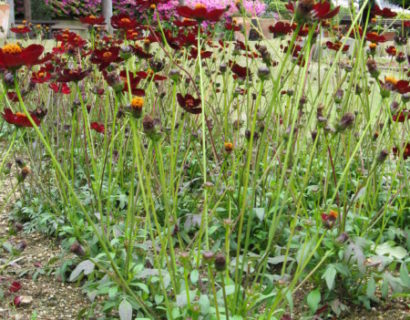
(220, 262)
(346, 121)
(382, 156)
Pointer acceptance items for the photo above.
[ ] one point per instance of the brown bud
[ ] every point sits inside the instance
(220, 262)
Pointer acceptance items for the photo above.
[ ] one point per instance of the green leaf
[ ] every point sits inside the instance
(371, 288)
(143, 287)
(204, 304)
(313, 300)
(404, 275)
(260, 213)
(330, 276)
(194, 276)
(85, 266)
(125, 310)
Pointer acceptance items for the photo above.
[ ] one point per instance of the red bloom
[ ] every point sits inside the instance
(12, 56)
(60, 88)
(12, 96)
(185, 23)
(231, 26)
(15, 286)
(41, 76)
(92, 20)
(402, 116)
(105, 57)
(402, 86)
(309, 10)
(336, 46)
(150, 74)
(134, 81)
(189, 103)
(406, 151)
(20, 29)
(239, 71)
(19, 119)
(71, 39)
(374, 37)
(123, 21)
(76, 75)
(99, 127)
(200, 13)
(391, 51)
(204, 54)
(281, 28)
(385, 13)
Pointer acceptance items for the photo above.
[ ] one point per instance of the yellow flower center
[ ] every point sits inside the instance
(125, 20)
(137, 102)
(107, 55)
(20, 27)
(189, 102)
(153, 6)
(92, 17)
(333, 214)
(373, 45)
(200, 6)
(12, 48)
(390, 79)
(20, 114)
(228, 146)
(41, 74)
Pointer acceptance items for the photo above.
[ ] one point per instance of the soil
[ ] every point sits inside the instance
(32, 263)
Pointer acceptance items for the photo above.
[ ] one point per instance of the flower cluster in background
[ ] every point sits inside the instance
(61, 8)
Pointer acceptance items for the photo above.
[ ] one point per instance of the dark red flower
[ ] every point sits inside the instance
(12, 56)
(200, 13)
(60, 88)
(140, 53)
(22, 29)
(309, 10)
(40, 76)
(391, 51)
(385, 12)
(105, 57)
(15, 286)
(189, 103)
(184, 23)
(123, 21)
(329, 219)
(71, 40)
(19, 119)
(204, 54)
(406, 151)
(374, 37)
(150, 74)
(239, 71)
(232, 26)
(336, 46)
(99, 127)
(134, 81)
(281, 28)
(402, 116)
(92, 20)
(76, 75)
(12, 96)
(402, 86)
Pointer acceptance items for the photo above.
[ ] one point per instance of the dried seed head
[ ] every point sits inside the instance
(346, 121)
(220, 262)
(382, 156)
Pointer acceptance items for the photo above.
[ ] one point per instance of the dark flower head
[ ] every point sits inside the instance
(75, 75)
(41, 76)
(375, 37)
(19, 119)
(123, 21)
(99, 127)
(336, 46)
(92, 20)
(105, 57)
(189, 103)
(346, 121)
(385, 12)
(200, 13)
(22, 29)
(309, 10)
(13, 56)
(281, 28)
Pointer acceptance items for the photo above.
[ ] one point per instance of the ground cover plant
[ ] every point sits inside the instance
(195, 176)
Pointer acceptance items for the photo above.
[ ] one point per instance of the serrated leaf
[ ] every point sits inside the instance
(85, 266)
(125, 310)
(313, 300)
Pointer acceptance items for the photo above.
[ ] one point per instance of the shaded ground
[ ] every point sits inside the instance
(30, 260)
